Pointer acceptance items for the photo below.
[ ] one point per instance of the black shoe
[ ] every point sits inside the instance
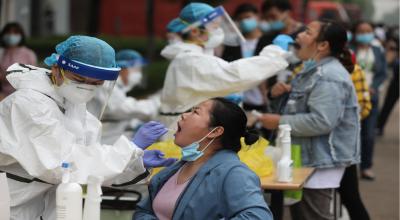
(367, 175)
(379, 132)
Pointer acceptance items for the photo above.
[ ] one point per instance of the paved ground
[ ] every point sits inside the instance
(381, 196)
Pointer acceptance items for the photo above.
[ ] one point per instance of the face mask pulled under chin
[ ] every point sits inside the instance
(215, 38)
(77, 93)
(191, 152)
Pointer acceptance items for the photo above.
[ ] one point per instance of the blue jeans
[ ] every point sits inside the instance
(368, 126)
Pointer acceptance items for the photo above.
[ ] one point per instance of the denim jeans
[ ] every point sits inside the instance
(368, 134)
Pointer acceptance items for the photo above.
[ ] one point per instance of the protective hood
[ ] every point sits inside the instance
(31, 77)
(171, 51)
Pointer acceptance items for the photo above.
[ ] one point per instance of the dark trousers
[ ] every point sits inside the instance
(368, 126)
(391, 98)
(350, 194)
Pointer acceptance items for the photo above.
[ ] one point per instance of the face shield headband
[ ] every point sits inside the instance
(87, 70)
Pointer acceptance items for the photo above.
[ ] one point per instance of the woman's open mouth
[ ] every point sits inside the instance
(179, 128)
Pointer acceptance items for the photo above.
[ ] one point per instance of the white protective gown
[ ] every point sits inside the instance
(193, 76)
(36, 137)
(121, 111)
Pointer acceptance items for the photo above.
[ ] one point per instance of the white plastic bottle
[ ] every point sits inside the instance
(93, 198)
(285, 164)
(68, 198)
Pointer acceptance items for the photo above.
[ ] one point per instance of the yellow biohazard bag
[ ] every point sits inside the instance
(169, 148)
(254, 157)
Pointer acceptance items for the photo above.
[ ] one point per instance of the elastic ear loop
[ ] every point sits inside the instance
(53, 78)
(65, 79)
(191, 41)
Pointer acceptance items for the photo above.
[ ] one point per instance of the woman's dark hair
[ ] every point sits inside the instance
(232, 118)
(243, 8)
(9, 27)
(282, 5)
(358, 23)
(336, 36)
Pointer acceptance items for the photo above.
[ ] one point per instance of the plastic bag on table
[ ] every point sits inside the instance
(254, 157)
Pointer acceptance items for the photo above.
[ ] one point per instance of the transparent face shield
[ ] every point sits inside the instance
(218, 22)
(86, 81)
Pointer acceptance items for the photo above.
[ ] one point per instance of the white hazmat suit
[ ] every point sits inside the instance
(193, 76)
(35, 139)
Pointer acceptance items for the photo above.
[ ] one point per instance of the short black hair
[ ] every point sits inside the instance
(282, 5)
(243, 8)
(7, 28)
(231, 117)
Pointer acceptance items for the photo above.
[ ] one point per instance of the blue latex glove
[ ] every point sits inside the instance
(155, 158)
(149, 133)
(283, 41)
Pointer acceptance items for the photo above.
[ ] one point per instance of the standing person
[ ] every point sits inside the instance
(392, 94)
(45, 123)
(122, 110)
(322, 111)
(246, 15)
(373, 62)
(209, 182)
(276, 19)
(12, 39)
(349, 187)
(194, 75)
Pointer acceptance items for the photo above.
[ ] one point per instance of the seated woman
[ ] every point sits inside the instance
(209, 182)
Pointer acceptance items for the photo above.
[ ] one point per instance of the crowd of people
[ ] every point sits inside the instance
(324, 79)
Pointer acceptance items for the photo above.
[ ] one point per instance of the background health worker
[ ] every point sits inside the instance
(194, 75)
(124, 113)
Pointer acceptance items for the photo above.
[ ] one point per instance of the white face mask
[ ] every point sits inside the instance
(134, 79)
(12, 39)
(77, 93)
(215, 38)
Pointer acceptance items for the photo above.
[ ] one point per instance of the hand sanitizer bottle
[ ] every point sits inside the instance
(68, 197)
(93, 198)
(285, 164)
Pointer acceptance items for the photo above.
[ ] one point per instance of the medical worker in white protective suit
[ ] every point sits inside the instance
(124, 113)
(45, 122)
(195, 75)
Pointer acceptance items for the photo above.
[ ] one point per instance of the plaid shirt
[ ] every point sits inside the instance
(362, 90)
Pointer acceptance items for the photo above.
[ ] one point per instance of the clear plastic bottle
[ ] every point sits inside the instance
(68, 197)
(285, 164)
(93, 198)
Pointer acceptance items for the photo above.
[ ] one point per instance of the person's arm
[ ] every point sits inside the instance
(213, 76)
(326, 107)
(33, 134)
(242, 196)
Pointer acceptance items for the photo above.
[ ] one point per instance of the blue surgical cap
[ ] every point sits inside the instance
(190, 14)
(129, 58)
(175, 26)
(84, 49)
